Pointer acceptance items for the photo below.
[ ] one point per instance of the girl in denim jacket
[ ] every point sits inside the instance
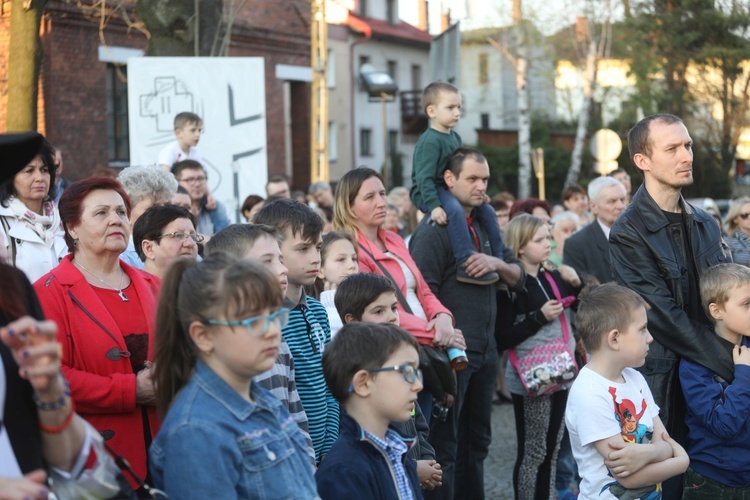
(219, 325)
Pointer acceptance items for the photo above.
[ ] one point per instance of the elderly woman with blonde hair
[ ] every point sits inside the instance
(146, 187)
(737, 224)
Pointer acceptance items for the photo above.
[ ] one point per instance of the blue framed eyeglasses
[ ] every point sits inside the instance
(409, 373)
(280, 316)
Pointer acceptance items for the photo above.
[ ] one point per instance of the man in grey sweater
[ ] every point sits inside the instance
(462, 440)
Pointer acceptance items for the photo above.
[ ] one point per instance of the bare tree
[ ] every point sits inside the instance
(596, 49)
(519, 60)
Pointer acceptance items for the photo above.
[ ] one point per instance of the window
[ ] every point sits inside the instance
(118, 142)
(392, 142)
(331, 70)
(416, 77)
(393, 70)
(365, 142)
(363, 8)
(485, 117)
(362, 61)
(333, 145)
(483, 69)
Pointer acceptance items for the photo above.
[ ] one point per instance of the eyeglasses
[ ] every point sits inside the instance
(744, 216)
(194, 180)
(179, 235)
(409, 373)
(280, 316)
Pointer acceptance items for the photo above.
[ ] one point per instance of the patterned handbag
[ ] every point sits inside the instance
(546, 368)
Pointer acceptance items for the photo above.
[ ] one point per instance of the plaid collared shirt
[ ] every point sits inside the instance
(394, 449)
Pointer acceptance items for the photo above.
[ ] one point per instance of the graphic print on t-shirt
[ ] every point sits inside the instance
(628, 417)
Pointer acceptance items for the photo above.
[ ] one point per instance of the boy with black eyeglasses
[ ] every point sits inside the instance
(210, 213)
(373, 371)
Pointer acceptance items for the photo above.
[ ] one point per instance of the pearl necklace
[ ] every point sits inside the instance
(118, 290)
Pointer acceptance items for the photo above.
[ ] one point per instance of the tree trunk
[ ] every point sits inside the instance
(589, 83)
(24, 65)
(524, 118)
(177, 29)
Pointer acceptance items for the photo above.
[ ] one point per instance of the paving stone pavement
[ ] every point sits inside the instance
(498, 467)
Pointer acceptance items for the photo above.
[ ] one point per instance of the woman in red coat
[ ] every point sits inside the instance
(104, 310)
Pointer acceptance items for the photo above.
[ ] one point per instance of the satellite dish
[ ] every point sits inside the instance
(606, 145)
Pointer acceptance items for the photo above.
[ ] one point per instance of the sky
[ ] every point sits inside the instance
(549, 16)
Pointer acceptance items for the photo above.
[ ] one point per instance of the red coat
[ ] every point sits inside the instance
(395, 245)
(103, 390)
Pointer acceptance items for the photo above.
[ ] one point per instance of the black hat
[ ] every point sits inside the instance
(16, 151)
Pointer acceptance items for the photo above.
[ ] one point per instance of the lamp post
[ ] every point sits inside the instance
(380, 87)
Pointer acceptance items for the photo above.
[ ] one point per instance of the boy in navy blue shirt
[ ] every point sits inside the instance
(373, 371)
(718, 440)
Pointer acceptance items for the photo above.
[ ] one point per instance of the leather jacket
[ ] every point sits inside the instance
(648, 255)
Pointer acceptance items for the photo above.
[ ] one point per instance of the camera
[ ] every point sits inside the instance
(440, 412)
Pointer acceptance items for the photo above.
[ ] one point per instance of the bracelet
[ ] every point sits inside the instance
(66, 423)
(57, 404)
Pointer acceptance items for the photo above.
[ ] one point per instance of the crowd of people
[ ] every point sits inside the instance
(352, 342)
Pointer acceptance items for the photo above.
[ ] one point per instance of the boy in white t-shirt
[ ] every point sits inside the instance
(188, 128)
(618, 440)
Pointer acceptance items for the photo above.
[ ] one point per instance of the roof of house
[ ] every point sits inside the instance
(378, 28)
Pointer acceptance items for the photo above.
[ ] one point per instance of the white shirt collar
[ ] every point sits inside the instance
(604, 228)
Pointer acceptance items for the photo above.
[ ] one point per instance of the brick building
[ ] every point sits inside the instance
(83, 89)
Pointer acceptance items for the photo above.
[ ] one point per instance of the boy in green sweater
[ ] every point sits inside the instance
(442, 105)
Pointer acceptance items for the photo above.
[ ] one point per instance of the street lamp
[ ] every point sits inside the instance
(380, 86)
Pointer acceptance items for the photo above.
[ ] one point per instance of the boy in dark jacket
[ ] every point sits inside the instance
(372, 298)
(373, 371)
(717, 410)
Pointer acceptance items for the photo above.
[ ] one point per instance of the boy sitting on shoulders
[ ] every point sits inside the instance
(618, 440)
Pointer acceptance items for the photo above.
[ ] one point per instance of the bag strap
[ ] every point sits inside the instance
(556, 292)
(399, 295)
(11, 241)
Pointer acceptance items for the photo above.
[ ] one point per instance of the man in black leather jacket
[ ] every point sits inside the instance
(658, 247)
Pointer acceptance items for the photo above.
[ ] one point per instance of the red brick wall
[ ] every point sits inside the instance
(75, 88)
(73, 105)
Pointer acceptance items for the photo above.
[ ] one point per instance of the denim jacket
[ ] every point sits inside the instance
(214, 444)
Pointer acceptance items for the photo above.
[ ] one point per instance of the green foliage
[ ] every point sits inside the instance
(666, 37)
(504, 162)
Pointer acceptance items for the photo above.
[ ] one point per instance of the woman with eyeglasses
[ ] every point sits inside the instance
(104, 310)
(146, 187)
(162, 235)
(737, 223)
(223, 436)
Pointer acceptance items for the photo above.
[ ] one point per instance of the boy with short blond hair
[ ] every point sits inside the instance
(187, 128)
(618, 440)
(442, 105)
(718, 438)
(373, 370)
(308, 331)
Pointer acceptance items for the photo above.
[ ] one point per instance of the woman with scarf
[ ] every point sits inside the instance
(30, 222)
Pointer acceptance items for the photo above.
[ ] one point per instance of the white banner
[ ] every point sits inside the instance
(228, 93)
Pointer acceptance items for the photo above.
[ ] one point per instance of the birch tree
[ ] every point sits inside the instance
(596, 49)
